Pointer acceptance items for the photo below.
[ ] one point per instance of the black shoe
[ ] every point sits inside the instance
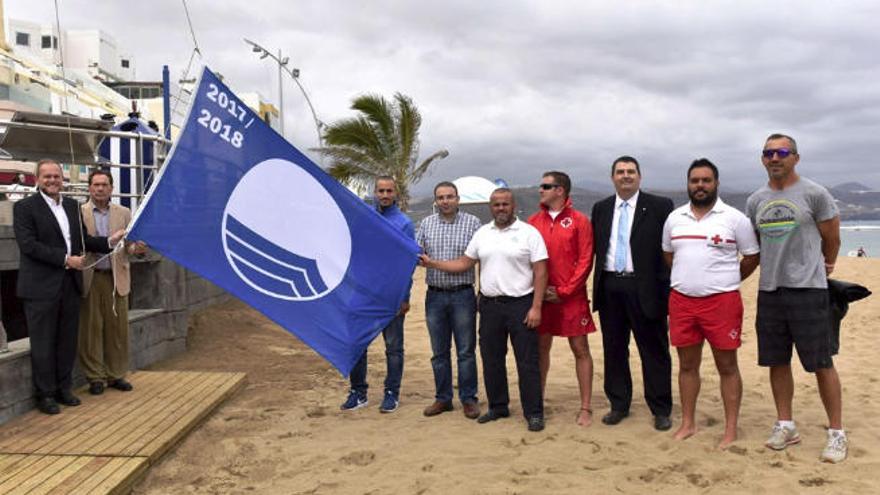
(662, 423)
(96, 388)
(492, 415)
(67, 398)
(613, 417)
(120, 384)
(536, 423)
(47, 405)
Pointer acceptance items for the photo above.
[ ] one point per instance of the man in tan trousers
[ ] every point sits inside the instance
(103, 321)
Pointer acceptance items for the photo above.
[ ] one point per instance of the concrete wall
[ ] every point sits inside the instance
(162, 298)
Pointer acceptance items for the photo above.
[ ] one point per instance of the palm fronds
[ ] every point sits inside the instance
(382, 140)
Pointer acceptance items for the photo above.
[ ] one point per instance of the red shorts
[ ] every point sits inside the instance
(569, 318)
(716, 318)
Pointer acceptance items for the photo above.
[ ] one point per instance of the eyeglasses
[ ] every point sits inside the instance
(781, 152)
(547, 187)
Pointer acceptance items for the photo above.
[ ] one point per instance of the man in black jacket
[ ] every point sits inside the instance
(631, 291)
(48, 230)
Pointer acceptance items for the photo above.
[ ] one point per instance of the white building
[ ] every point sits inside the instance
(97, 52)
(87, 50)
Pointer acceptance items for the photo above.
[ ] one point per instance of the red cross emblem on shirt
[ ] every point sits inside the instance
(716, 239)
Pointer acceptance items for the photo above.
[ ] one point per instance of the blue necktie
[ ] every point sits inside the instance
(622, 239)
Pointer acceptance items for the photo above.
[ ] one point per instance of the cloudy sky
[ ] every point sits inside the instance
(513, 88)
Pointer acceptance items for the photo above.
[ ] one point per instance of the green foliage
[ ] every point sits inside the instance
(383, 139)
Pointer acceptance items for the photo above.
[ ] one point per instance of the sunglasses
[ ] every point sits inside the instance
(547, 187)
(781, 152)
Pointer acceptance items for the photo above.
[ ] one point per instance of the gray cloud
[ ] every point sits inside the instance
(514, 88)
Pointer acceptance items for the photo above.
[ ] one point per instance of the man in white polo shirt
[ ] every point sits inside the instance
(513, 278)
(701, 242)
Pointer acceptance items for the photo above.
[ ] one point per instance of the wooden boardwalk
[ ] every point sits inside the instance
(106, 444)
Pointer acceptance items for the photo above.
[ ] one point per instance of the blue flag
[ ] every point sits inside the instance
(243, 208)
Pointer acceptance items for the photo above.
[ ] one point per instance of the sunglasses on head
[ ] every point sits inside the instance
(547, 187)
(781, 152)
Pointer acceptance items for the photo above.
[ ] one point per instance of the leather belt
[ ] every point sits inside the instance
(504, 299)
(454, 288)
(622, 274)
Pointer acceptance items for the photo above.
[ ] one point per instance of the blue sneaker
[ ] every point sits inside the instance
(355, 400)
(389, 403)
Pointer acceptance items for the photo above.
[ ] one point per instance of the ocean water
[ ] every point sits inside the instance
(854, 234)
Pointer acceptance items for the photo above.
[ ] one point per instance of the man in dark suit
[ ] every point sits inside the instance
(48, 230)
(631, 291)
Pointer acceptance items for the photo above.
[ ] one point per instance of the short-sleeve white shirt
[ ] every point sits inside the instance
(506, 256)
(705, 252)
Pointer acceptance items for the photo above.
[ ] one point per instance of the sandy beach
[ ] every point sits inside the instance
(284, 432)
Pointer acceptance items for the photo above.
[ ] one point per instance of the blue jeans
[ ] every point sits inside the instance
(393, 335)
(453, 315)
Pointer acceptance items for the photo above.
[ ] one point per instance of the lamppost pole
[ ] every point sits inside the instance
(280, 91)
(294, 74)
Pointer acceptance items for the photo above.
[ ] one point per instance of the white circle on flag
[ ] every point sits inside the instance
(283, 233)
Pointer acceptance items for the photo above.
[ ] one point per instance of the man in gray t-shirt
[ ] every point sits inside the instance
(791, 244)
(799, 228)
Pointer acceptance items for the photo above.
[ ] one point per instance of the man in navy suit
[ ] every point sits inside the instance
(631, 292)
(48, 230)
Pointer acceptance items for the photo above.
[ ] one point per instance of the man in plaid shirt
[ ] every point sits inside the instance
(450, 304)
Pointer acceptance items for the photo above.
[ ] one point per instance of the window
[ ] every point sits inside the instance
(125, 63)
(22, 39)
(46, 41)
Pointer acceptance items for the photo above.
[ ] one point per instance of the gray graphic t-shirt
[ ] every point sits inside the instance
(791, 247)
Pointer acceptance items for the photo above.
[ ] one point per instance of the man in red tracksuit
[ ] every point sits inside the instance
(569, 239)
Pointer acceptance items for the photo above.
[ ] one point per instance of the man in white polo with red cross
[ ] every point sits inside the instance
(701, 242)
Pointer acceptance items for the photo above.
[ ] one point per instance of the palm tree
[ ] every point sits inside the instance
(382, 140)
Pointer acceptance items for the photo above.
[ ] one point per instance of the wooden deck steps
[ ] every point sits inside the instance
(106, 444)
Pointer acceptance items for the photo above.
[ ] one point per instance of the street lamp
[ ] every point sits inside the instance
(294, 74)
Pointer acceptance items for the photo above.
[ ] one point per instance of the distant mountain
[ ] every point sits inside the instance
(852, 187)
(857, 201)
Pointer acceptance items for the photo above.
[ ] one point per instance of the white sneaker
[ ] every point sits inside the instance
(782, 437)
(835, 450)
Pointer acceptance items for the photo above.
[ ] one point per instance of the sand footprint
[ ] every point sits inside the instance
(814, 481)
(736, 449)
(316, 412)
(698, 480)
(359, 458)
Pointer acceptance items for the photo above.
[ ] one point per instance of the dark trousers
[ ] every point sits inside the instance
(620, 314)
(393, 335)
(500, 317)
(53, 328)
